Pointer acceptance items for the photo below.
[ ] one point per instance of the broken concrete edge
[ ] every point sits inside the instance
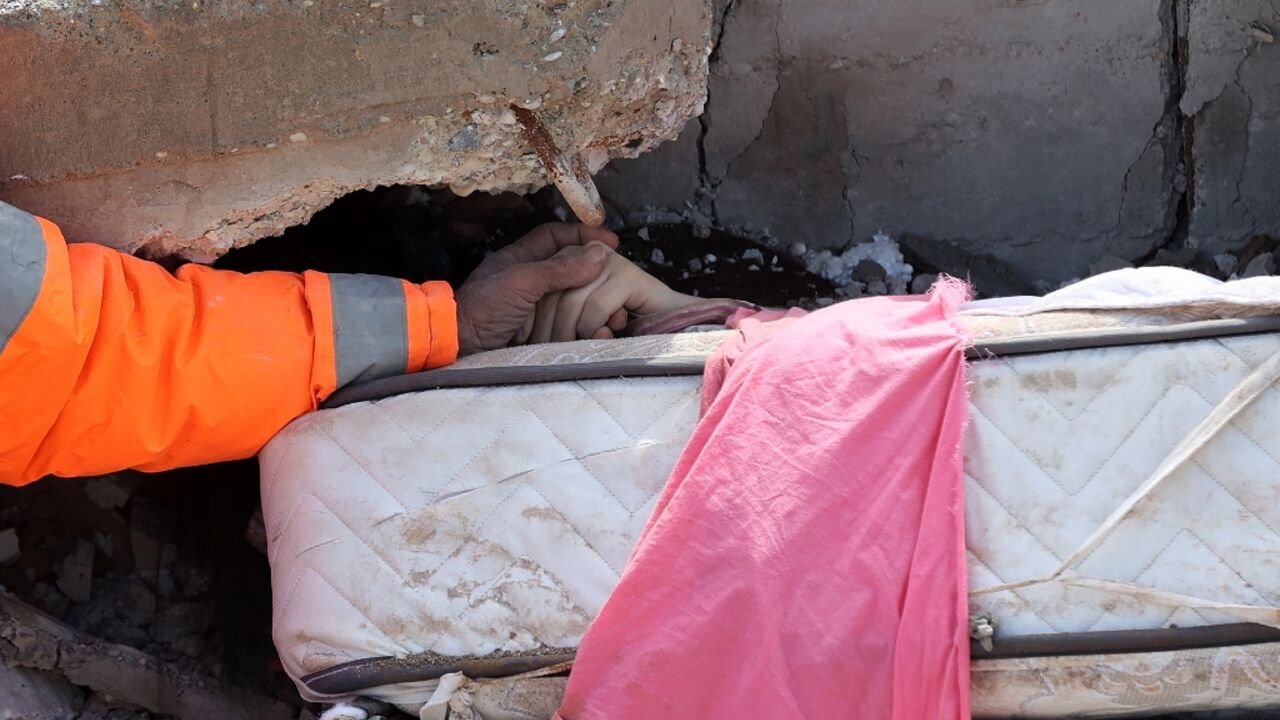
(214, 125)
(31, 639)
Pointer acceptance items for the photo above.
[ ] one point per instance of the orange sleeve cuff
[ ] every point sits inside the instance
(433, 325)
(324, 367)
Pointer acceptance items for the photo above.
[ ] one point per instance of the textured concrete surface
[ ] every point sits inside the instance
(1034, 137)
(197, 126)
(1232, 106)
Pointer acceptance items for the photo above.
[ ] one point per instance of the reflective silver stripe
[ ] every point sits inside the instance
(370, 329)
(22, 264)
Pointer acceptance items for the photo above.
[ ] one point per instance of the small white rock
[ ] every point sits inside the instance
(485, 99)
(643, 233)
(677, 45)
(270, 145)
(708, 258)
(657, 257)
(555, 36)
(342, 711)
(418, 20)
(384, 119)
(753, 255)
(753, 268)
(162, 155)
(298, 137)
(552, 57)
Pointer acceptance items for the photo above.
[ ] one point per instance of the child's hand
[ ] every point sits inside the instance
(600, 310)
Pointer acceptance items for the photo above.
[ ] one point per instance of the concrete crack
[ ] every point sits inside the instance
(1244, 160)
(1174, 130)
(706, 185)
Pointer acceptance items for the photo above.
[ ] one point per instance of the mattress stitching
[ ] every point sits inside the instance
(278, 530)
(1129, 435)
(581, 464)
(1212, 552)
(1242, 430)
(338, 444)
(1234, 496)
(1031, 608)
(492, 439)
(618, 424)
(975, 409)
(685, 400)
(1017, 520)
(364, 542)
(1010, 362)
(447, 416)
(590, 546)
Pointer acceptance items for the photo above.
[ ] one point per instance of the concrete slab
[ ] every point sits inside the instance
(194, 127)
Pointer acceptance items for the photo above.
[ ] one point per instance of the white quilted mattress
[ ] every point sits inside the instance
(466, 522)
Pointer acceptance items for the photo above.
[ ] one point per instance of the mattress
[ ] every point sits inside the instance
(1120, 473)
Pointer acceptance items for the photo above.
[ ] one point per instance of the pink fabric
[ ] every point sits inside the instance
(806, 558)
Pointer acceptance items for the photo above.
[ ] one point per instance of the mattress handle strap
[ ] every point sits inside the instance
(1240, 397)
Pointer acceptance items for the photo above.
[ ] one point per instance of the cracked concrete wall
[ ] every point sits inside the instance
(1232, 108)
(1033, 134)
(192, 127)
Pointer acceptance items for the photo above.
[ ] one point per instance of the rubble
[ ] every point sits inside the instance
(29, 639)
(150, 534)
(75, 573)
(110, 492)
(920, 284)
(1263, 264)
(10, 549)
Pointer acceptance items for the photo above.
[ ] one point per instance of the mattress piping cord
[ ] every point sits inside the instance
(1253, 386)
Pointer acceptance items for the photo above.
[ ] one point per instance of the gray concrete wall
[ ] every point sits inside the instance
(1035, 136)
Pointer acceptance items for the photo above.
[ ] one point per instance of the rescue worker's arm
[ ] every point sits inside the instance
(108, 361)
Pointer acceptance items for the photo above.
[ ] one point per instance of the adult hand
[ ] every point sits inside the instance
(600, 309)
(496, 304)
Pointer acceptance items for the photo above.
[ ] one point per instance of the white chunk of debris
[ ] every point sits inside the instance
(298, 137)
(343, 711)
(657, 257)
(695, 265)
(9, 547)
(1226, 263)
(753, 255)
(708, 258)
(555, 36)
(643, 233)
(418, 20)
(838, 268)
(552, 57)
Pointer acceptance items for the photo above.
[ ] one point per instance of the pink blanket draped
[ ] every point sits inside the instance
(806, 558)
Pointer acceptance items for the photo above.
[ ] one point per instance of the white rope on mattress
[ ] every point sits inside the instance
(1240, 397)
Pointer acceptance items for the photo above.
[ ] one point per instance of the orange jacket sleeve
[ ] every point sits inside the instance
(109, 362)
